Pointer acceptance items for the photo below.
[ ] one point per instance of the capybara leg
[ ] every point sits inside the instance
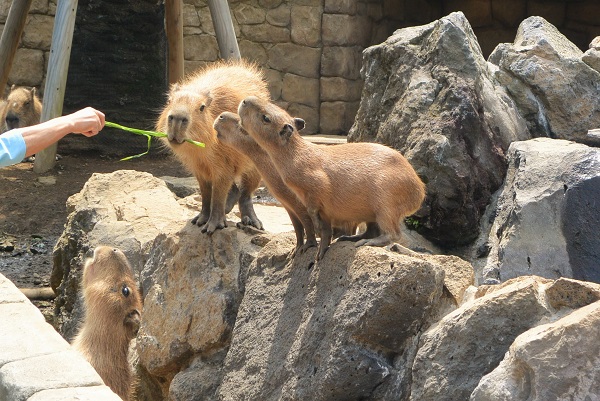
(249, 183)
(372, 231)
(298, 228)
(344, 229)
(206, 194)
(232, 198)
(217, 220)
(325, 239)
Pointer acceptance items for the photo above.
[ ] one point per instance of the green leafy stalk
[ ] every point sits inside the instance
(149, 135)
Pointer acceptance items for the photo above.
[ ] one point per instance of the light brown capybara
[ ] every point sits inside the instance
(231, 133)
(360, 182)
(190, 112)
(113, 307)
(23, 108)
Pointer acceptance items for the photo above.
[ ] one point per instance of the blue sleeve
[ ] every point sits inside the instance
(12, 148)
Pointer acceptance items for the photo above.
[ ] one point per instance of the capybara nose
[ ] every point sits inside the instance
(12, 121)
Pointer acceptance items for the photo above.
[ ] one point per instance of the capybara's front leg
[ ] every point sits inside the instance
(324, 227)
(250, 181)
(206, 194)
(217, 220)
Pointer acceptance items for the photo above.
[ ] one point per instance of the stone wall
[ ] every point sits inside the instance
(312, 49)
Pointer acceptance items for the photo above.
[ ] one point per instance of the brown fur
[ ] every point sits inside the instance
(231, 133)
(23, 109)
(192, 108)
(112, 317)
(359, 182)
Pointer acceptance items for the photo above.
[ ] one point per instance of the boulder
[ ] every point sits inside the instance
(592, 56)
(553, 88)
(430, 94)
(336, 330)
(554, 361)
(471, 341)
(545, 219)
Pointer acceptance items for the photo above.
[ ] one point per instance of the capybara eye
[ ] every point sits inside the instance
(170, 118)
(202, 107)
(125, 291)
(266, 118)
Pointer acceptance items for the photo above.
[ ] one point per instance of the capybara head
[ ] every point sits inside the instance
(110, 290)
(266, 121)
(228, 128)
(23, 108)
(186, 116)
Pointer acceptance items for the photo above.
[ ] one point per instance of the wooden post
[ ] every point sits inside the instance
(56, 77)
(11, 35)
(174, 27)
(221, 17)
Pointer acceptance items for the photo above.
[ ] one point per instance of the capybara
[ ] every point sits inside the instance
(358, 182)
(231, 133)
(113, 307)
(193, 106)
(23, 108)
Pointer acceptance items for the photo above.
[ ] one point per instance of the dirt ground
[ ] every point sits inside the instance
(33, 210)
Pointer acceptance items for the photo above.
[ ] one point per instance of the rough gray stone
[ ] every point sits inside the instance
(93, 393)
(301, 90)
(429, 94)
(306, 25)
(295, 59)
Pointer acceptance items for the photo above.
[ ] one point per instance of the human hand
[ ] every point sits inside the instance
(88, 121)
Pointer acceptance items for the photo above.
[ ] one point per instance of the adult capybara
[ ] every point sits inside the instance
(23, 108)
(190, 112)
(113, 307)
(359, 182)
(231, 133)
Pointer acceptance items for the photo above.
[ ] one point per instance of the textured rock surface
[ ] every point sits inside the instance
(546, 214)
(553, 88)
(430, 94)
(592, 56)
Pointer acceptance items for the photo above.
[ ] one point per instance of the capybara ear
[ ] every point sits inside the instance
(299, 123)
(286, 131)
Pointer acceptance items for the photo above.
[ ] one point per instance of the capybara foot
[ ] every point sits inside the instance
(213, 225)
(252, 221)
(352, 238)
(249, 229)
(321, 253)
(200, 220)
(382, 240)
(306, 246)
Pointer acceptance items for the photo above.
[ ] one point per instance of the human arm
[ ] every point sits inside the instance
(37, 137)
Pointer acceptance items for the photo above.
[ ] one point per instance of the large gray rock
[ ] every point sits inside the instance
(529, 369)
(547, 213)
(336, 330)
(430, 94)
(592, 56)
(554, 89)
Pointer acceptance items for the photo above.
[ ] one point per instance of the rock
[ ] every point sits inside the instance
(430, 94)
(471, 341)
(331, 330)
(126, 209)
(546, 214)
(555, 361)
(552, 87)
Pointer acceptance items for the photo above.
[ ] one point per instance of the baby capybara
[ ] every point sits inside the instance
(113, 307)
(231, 133)
(190, 112)
(357, 182)
(23, 108)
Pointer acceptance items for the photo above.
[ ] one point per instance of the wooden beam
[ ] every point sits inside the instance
(174, 27)
(11, 35)
(56, 77)
(221, 17)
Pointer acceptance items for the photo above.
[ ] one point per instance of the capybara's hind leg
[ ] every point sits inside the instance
(206, 194)
(382, 240)
(232, 198)
(250, 181)
(372, 231)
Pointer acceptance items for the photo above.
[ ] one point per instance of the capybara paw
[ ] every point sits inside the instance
(254, 222)
(211, 227)
(307, 245)
(200, 220)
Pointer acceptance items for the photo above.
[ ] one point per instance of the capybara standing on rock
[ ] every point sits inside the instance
(356, 182)
(230, 132)
(190, 112)
(23, 109)
(112, 317)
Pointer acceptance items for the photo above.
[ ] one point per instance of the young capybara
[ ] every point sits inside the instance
(193, 106)
(359, 182)
(113, 307)
(23, 108)
(231, 133)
